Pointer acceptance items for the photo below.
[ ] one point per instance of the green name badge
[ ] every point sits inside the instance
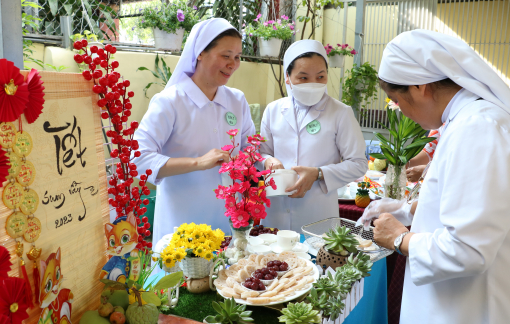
(231, 118)
(313, 127)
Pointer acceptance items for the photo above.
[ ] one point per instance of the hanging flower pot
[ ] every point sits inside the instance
(270, 47)
(166, 41)
(337, 61)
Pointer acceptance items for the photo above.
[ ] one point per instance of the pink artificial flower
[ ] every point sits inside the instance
(274, 27)
(285, 17)
(233, 189)
(263, 197)
(344, 46)
(257, 211)
(230, 202)
(245, 186)
(221, 192)
(353, 52)
(253, 140)
(265, 172)
(272, 184)
(240, 219)
(250, 149)
(233, 132)
(226, 167)
(227, 147)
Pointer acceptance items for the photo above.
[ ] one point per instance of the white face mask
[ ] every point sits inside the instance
(308, 93)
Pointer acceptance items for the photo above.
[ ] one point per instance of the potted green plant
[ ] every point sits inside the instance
(360, 86)
(271, 34)
(406, 139)
(337, 54)
(339, 243)
(169, 23)
(229, 312)
(300, 313)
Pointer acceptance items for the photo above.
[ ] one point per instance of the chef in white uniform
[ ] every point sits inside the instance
(186, 124)
(313, 134)
(459, 245)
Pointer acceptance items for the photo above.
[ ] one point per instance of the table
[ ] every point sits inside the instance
(349, 210)
(372, 308)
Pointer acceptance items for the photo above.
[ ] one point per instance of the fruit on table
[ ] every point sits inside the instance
(226, 242)
(371, 165)
(142, 314)
(118, 318)
(362, 198)
(115, 297)
(119, 309)
(260, 229)
(278, 265)
(254, 284)
(379, 165)
(105, 310)
(92, 317)
(265, 274)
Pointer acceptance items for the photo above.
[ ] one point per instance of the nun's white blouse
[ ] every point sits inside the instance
(459, 259)
(337, 148)
(183, 122)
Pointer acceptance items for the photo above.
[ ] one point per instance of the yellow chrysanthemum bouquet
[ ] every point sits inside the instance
(192, 240)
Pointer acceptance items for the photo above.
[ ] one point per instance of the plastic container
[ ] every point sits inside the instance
(336, 61)
(270, 47)
(283, 179)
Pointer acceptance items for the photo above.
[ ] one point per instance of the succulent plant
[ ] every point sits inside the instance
(326, 286)
(333, 308)
(300, 313)
(347, 274)
(362, 263)
(340, 240)
(229, 312)
(318, 302)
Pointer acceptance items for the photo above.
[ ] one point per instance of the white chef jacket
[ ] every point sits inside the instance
(183, 122)
(338, 149)
(459, 258)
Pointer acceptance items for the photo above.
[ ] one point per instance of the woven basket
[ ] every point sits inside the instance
(196, 268)
(330, 259)
(173, 269)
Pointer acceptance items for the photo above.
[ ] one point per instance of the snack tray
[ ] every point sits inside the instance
(313, 235)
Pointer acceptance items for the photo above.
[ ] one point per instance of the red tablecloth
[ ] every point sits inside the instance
(349, 210)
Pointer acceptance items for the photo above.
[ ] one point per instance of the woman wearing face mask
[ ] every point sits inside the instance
(313, 134)
(181, 134)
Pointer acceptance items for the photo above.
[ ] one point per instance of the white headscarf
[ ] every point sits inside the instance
(422, 56)
(200, 36)
(298, 48)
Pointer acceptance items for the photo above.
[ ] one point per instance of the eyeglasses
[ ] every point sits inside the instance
(414, 192)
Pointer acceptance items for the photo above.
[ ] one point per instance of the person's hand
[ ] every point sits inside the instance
(307, 176)
(273, 164)
(386, 230)
(214, 157)
(413, 174)
(399, 208)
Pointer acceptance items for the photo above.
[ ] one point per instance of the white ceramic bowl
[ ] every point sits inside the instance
(260, 249)
(283, 179)
(255, 240)
(268, 238)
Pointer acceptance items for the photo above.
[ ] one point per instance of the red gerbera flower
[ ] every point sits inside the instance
(13, 92)
(12, 299)
(35, 98)
(5, 262)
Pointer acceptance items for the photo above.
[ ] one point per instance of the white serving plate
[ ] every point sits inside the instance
(297, 294)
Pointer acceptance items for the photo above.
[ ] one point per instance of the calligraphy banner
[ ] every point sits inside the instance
(71, 184)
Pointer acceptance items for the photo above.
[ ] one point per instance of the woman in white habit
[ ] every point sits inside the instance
(458, 248)
(186, 124)
(313, 134)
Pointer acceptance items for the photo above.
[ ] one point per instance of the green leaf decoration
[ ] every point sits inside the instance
(151, 298)
(168, 281)
(110, 284)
